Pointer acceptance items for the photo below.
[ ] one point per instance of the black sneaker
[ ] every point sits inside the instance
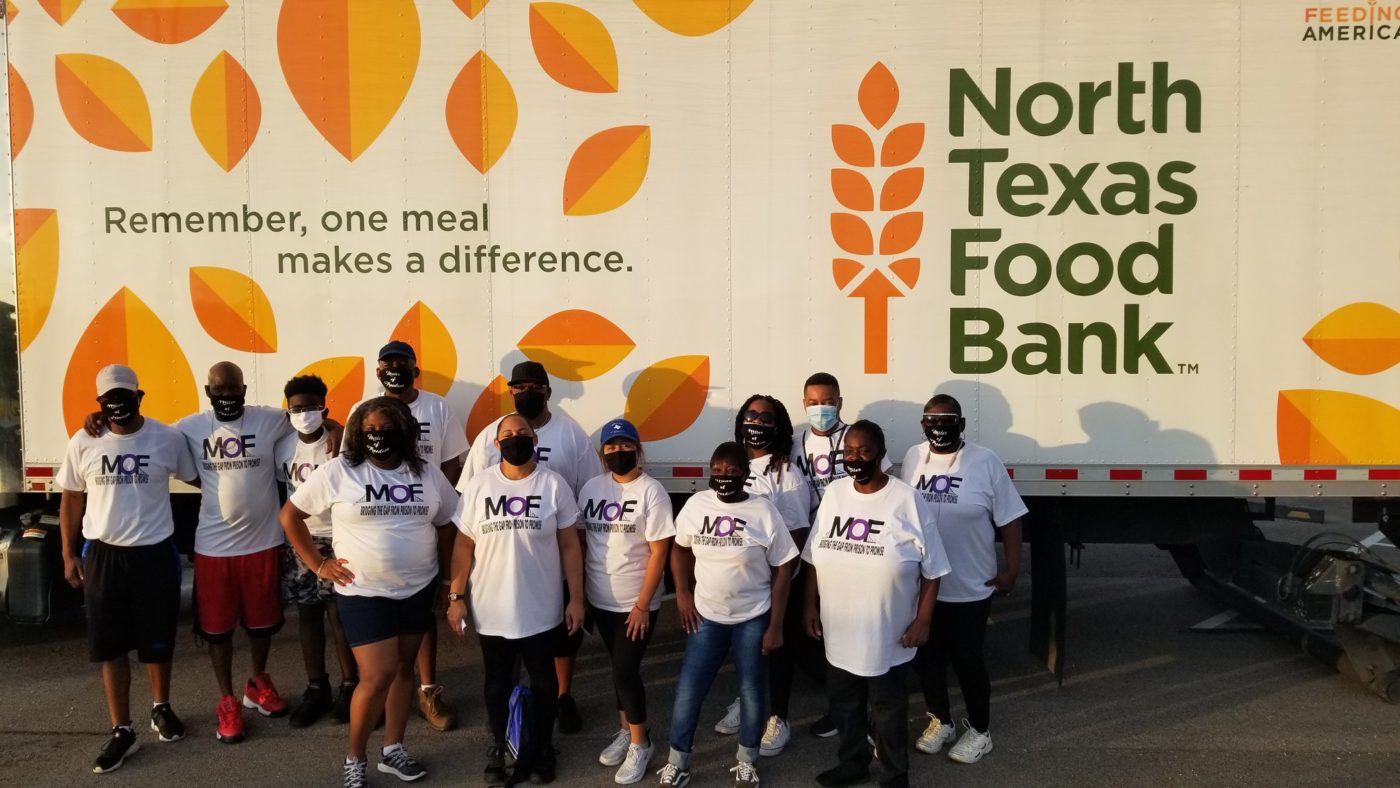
(315, 702)
(542, 772)
(402, 765)
(166, 724)
(340, 710)
(115, 751)
(569, 721)
(844, 774)
(823, 728)
(495, 772)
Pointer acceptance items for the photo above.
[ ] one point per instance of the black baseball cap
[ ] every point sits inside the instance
(398, 348)
(528, 372)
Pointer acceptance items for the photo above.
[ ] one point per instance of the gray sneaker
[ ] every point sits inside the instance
(402, 765)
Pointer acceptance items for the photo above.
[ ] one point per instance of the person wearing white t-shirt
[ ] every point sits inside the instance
(442, 440)
(562, 446)
(387, 505)
(517, 549)
(973, 498)
(116, 499)
(627, 527)
(876, 560)
(732, 562)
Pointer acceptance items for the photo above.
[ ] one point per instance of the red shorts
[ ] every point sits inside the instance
(231, 589)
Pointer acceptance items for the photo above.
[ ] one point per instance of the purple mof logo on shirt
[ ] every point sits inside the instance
(394, 493)
(722, 526)
(512, 506)
(854, 529)
(230, 448)
(125, 464)
(607, 511)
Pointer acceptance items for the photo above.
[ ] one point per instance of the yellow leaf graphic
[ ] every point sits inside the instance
(60, 10)
(349, 65)
(494, 402)
(126, 331)
(36, 268)
(573, 47)
(437, 353)
(471, 8)
(1361, 338)
(693, 17)
(606, 170)
(344, 377)
(103, 102)
(481, 112)
(576, 344)
(668, 396)
(233, 309)
(169, 21)
(225, 111)
(21, 113)
(1336, 428)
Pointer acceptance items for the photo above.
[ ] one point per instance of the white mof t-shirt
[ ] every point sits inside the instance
(561, 445)
(821, 458)
(237, 466)
(517, 579)
(790, 491)
(620, 521)
(971, 495)
(441, 436)
(296, 459)
(869, 551)
(382, 523)
(736, 546)
(127, 481)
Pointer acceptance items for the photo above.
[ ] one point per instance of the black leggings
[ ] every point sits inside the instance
(498, 657)
(626, 657)
(799, 650)
(956, 637)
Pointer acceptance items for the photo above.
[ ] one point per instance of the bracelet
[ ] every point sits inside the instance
(321, 566)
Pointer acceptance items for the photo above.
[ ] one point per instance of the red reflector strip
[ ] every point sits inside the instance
(1011, 472)
(1061, 474)
(1320, 475)
(1125, 474)
(1256, 475)
(687, 472)
(1383, 474)
(1189, 474)
(39, 471)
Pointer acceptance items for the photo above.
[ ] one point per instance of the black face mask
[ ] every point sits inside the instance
(530, 404)
(759, 436)
(727, 486)
(621, 462)
(227, 408)
(944, 436)
(396, 378)
(518, 450)
(381, 443)
(121, 407)
(863, 471)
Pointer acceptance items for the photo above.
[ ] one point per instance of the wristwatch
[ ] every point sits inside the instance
(456, 597)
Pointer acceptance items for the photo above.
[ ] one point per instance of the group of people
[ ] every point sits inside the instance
(802, 553)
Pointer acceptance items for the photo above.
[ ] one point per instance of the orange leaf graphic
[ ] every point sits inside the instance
(21, 113)
(11, 11)
(1361, 338)
(233, 309)
(668, 396)
(576, 344)
(169, 21)
(421, 328)
(852, 234)
(344, 377)
(852, 190)
(852, 145)
(481, 112)
(494, 402)
(103, 102)
(60, 10)
(36, 268)
(901, 233)
(471, 8)
(349, 65)
(1336, 428)
(879, 95)
(907, 270)
(573, 47)
(901, 189)
(843, 271)
(225, 111)
(126, 331)
(693, 17)
(606, 170)
(902, 145)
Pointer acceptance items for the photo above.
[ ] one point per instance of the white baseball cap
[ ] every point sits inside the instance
(116, 376)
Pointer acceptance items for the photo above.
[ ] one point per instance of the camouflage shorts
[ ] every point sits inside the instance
(299, 582)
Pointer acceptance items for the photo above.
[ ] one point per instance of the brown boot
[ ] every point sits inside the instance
(435, 709)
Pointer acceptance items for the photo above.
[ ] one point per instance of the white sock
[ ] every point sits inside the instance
(425, 687)
(391, 749)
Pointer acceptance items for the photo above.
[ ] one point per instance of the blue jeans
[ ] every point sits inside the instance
(704, 655)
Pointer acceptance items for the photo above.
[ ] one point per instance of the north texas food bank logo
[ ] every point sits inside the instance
(871, 272)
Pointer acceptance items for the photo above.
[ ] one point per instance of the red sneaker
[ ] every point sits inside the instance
(260, 694)
(230, 730)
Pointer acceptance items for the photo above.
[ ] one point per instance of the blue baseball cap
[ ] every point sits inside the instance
(619, 428)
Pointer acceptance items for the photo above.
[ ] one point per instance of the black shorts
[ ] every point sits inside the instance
(133, 600)
(370, 619)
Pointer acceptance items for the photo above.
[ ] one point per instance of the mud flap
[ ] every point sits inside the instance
(1049, 591)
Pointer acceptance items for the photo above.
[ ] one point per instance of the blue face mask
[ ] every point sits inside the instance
(822, 417)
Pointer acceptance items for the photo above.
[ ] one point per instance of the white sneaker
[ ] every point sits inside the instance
(972, 746)
(730, 724)
(775, 737)
(936, 736)
(635, 767)
(616, 751)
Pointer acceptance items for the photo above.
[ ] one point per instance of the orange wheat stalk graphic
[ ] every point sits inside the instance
(865, 274)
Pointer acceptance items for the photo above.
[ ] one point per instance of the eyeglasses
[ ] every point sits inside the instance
(940, 418)
(759, 417)
(299, 409)
(521, 388)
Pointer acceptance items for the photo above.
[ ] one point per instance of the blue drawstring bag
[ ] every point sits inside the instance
(518, 720)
